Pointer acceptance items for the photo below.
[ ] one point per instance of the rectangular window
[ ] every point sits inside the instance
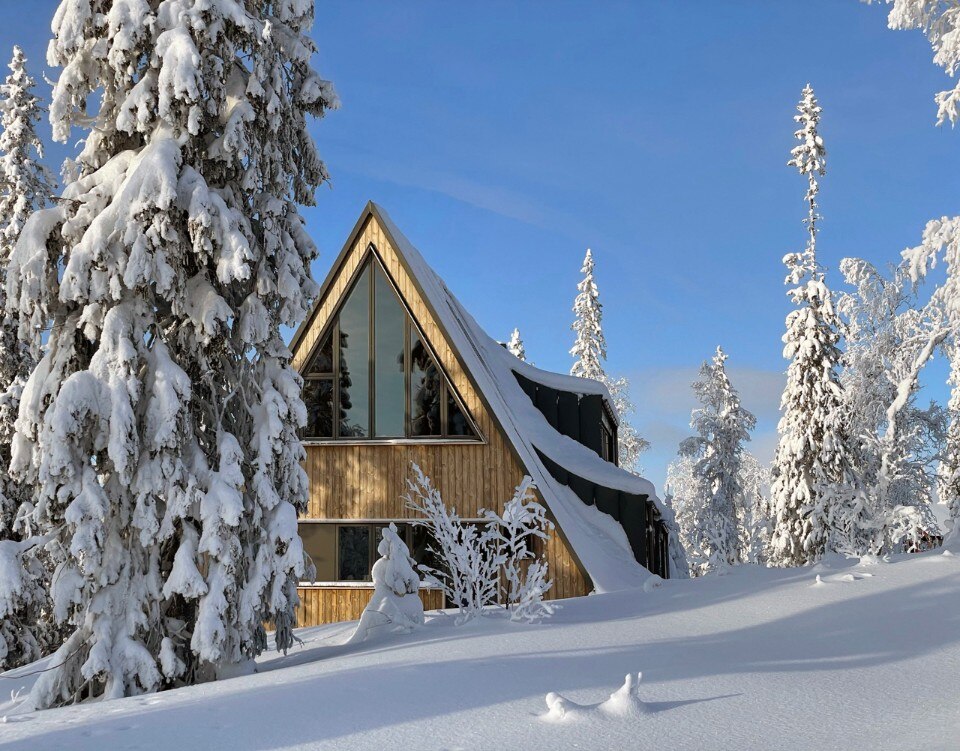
(425, 390)
(347, 552)
(353, 553)
(389, 361)
(318, 398)
(320, 543)
(608, 440)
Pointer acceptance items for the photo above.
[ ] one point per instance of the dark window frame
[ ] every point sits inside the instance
(608, 438)
(447, 390)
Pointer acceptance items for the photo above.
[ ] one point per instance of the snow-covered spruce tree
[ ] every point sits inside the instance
(590, 346)
(515, 346)
(722, 426)
(816, 505)
(160, 425)
(395, 605)
(26, 628)
(890, 337)
(589, 353)
(939, 20)
(684, 496)
(753, 516)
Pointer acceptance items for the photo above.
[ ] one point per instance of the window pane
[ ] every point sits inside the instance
(389, 320)
(355, 360)
(320, 543)
(322, 362)
(424, 390)
(354, 559)
(422, 541)
(457, 423)
(318, 398)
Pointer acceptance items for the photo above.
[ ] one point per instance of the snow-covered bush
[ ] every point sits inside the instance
(395, 605)
(160, 426)
(525, 576)
(469, 571)
(488, 562)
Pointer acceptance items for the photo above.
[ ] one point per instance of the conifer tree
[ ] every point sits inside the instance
(160, 425)
(814, 501)
(590, 347)
(722, 425)
(25, 185)
(515, 346)
(589, 353)
(26, 630)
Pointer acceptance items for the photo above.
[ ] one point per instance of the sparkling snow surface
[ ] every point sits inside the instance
(757, 659)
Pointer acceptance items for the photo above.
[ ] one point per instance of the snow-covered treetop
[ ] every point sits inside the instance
(939, 20)
(515, 346)
(590, 348)
(809, 157)
(24, 183)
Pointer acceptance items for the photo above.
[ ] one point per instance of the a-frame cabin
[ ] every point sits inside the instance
(395, 371)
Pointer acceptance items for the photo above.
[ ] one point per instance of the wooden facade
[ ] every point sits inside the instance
(365, 479)
(328, 604)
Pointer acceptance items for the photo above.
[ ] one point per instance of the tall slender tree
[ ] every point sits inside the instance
(160, 425)
(26, 630)
(590, 346)
(722, 425)
(815, 505)
(589, 353)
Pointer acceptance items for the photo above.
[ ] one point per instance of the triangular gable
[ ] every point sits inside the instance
(595, 540)
(368, 341)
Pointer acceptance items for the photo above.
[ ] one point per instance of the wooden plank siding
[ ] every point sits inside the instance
(366, 480)
(330, 604)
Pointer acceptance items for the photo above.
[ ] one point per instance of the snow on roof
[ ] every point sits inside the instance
(597, 538)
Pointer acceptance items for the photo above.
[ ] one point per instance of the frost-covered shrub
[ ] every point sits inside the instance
(395, 605)
(490, 562)
(524, 577)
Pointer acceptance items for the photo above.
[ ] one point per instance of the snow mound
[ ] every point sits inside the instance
(625, 702)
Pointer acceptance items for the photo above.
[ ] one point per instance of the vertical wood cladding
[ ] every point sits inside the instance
(366, 481)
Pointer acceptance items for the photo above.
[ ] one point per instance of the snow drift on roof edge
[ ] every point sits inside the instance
(597, 538)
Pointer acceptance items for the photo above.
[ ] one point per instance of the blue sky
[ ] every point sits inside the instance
(506, 138)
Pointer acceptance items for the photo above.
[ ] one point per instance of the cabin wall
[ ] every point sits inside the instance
(365, 480)
(320, 605)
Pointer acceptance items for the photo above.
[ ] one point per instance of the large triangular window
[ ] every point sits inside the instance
(372, 374)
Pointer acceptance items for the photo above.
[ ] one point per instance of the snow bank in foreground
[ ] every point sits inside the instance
(754, 660)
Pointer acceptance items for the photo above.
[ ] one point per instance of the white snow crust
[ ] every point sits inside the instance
(754, 660)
